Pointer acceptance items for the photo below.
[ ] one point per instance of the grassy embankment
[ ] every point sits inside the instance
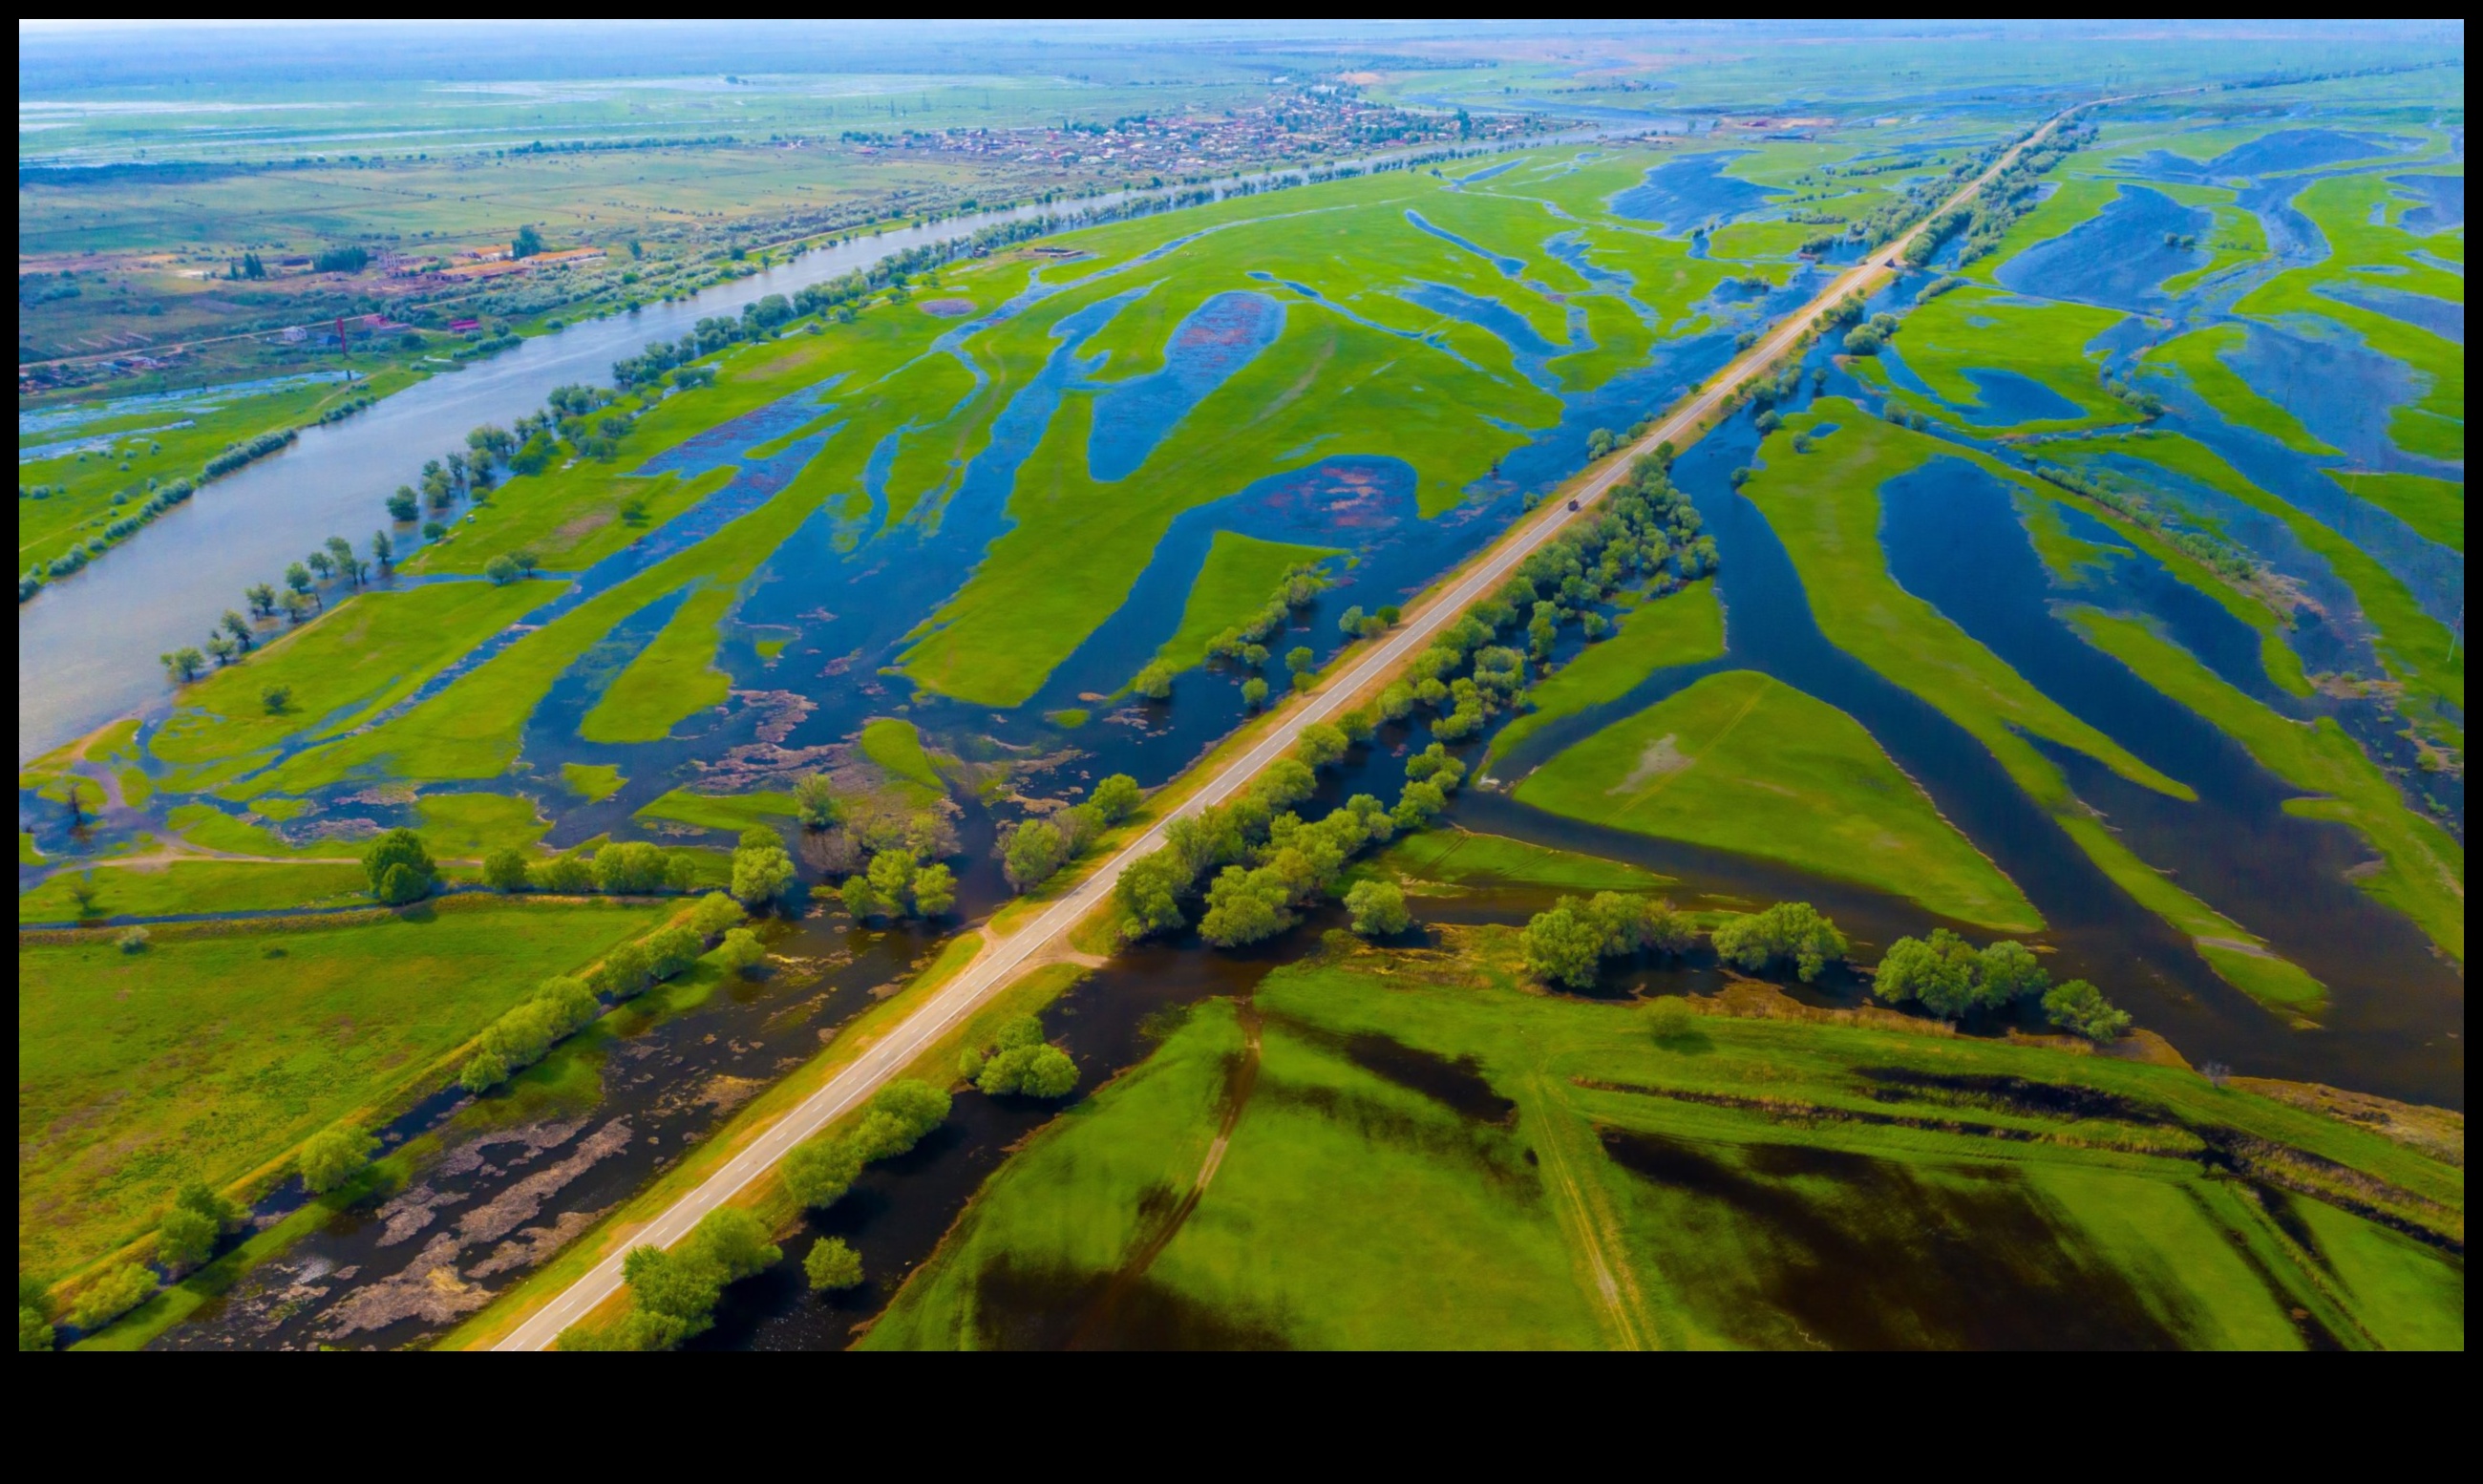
(1465, 862)
(1826, 507)
(1235, 582)
(2436, 507)
(2200, 357)
(1740, 762)
(1431, 1157)
(145, 449)
(1684, 628)
(214, 1052)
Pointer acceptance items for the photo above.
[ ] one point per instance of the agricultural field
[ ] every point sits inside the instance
(1410, 1153)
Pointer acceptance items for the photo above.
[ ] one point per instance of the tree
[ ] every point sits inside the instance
(741, 952)
(322, 564)
(1254, 693)
(1378, 909)
(400, 868)
(2011, 972)
(382, 550)
(1789, 930)
(1034, 1070)
(404, 507)
(298, 607)
(713, 914)
(505, 869)
(624, 972)
(1351, 623)
(832, 1264)
(261, 598)
(2080, 1007)
(814, 802)
(116, 1293)
(567, 874)
(34, 1330)
(671, 950)
(1245, 907)
(859, 901)
(527, 243)
(1320, 745)
(333, 1155)
(502, 569)
(1155, 681)
(1117, 797)
(188, 1234)
(1299, 659)
(762, 870)
(818, 1174)
(1563, 946)
(238, 627)
(184, 663)
(341, 552)
(935, 890)
(1033, 853)
(484, 1070)
(631, 868)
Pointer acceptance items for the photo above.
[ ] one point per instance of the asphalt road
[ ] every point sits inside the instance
(997, 966)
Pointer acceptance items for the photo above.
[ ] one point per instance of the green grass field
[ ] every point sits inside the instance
(1742, 762)
(1242, 572)
(1464, 859)
(1684, 628)
(196, 886)
(212, 1053)
(1423, 1157)
(729, 813)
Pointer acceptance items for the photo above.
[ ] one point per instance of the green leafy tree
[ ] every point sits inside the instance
(1563, 946)
(1254, 693)
(1034, 852)
(335, 1156)
(1378, 909)
(34, 1330)
(859, 901)
(184, 664)
(814, 802)
(762, 870)
(741, 952)
(567, 874)
(737, 1241)
(505, 869)
(830, 1264)
(1155, 681)
(935, 890)
(713, 914)
(892, 878)
(1320, 745)
(672, 951)
(631, 868)
(400, 868)
(1788, 932)
(113, 1294)
(528, 243)
(623, 973)
(2010, 971)
(2080, 1007)
(276, 699)
(502, 569)
(1117, 797)
(1245, 907)
(818, 1174)
(1299, 659)
(484, 1070)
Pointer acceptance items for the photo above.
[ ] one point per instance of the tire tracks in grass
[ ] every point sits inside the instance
(1095, 1331)
(1586, 1211)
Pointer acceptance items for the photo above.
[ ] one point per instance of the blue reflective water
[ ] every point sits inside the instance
(2443, 202)
(1509, 267)
(2443, 317)
(1491, 314)
(1215, 340)
(1684, 196)
(2003, 399)
(2117, 258)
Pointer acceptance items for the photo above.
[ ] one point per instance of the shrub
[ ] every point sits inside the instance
(631, 868)
(131, 941)
(714, 913)
(1787, 931)
(2079, 1007)
(1378, 908)
(505, 869)
(400, 868)
(116, 1293)
(333, 1155)
(832, 1264)
(741, 952)
(623, 973)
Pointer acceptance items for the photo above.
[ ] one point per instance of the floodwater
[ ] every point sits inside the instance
(1689, 195)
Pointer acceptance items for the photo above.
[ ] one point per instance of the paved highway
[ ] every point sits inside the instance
(997, 966)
